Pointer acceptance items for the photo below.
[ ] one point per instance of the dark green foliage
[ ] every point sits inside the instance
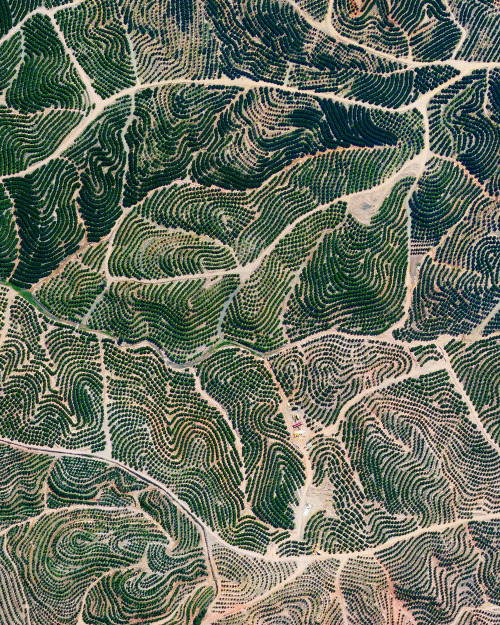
(428, 437)
(90, 482)
(13, 11)
(60, 555)
(52, 385)
(176, 523)
(342, 172)
(468, 299)
(457, 554)
(8, 236)
(99, 155)
(79, 378)
(187, 184)
(237, 141)
(160, 424)
(5, 17)
(397, 27)
(399, 88)
(442, 195)
(493, 325)
(278, 206)
(476, 366)
(248, 533)
(142, 249)
(284, 127)
(181, 317)
(481, 19)
(10, 57)
(94, 256)
(27, 138)
(413, 460)
(98, 36)
(14, 609)
(352, 518)
(125, 596)
(246, 390)
(46, 217)
(257, 38)
(170, 124)
(464, 122)
(199, 618)
(46, 76)
(21, 480)
(213, 212)
(70, 294)
(255, 315)
(459, 285)
(316, 8)
(321, 375)
(355, 279)
(172, 39)
(426, 353)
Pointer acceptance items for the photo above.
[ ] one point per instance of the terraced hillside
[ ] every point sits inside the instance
(250, 312)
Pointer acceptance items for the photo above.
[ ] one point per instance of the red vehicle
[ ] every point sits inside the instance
(297, 425)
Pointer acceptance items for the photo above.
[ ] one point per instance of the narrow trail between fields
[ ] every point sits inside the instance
(414, 167)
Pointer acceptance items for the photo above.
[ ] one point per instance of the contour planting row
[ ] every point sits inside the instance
(237, 140)
(70, 293)
(142, 249)
(10, 58)
(26, 138)
(355, 280)
(309, 598)
(396, 28)
(83, 481)
(91, 172)
(342, 272)
(445, 468)
(458, 286)
(244, 579)
(46, 218)
(249, 222)
(181, 317)
(130, 41)
(273, 42)
(87, 537)
(245, 389)
(255, 315)
(100, 154)
(55, 394)
(127, 561)
(437, 578)
(443, 577)
(464, 123)
(476, 366)
(46, 76)
(408, 456)
(315, 8)
(52, 384)
(441, 198)
(97, 33)
(325, 175)
(116, 563)
(426, 353)
(320, 376)
(8, 236)
(160, 424)
(482, 23)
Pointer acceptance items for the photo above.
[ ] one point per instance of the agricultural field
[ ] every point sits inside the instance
(250, 312)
